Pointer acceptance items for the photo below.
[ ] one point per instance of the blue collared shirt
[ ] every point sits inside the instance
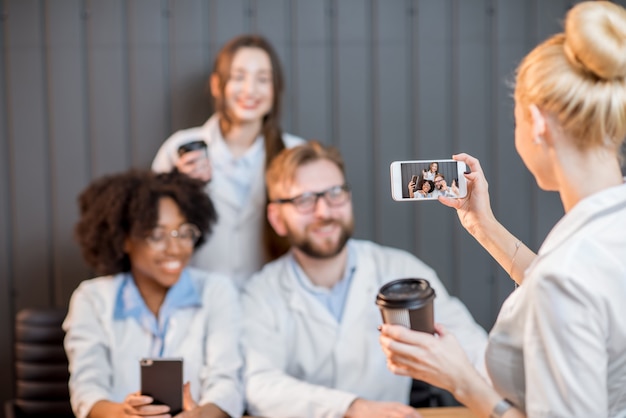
(130, 304)
(333, 299)
(238, 171)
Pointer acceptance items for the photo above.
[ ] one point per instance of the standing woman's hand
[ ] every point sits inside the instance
(411, 188)
(474, 210)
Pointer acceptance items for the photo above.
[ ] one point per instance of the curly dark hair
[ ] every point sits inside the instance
(117, 206)
(421, 183)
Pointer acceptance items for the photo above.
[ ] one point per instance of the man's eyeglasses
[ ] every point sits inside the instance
(186, 234)
(306, 202)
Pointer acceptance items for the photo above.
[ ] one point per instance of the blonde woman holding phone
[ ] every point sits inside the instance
(557, 347)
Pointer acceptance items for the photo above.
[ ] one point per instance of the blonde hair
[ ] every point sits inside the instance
(282, 170)
(579, 76)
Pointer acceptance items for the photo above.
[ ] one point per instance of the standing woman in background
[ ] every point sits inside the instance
(557, 347)
(242, 137)
(433, 170)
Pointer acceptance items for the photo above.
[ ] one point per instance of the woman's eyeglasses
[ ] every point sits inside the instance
(306, 202)
(186, 234)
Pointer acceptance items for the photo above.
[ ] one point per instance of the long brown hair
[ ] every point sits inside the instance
(274, 245)
(271, 122)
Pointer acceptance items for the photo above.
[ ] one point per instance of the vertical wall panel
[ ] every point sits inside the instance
(69, 170)
(434, 134)
(273, 21)
(511, 184)
(188, 64)
(6, 260)
(108, 86)
(149, 108)
(548, 208)
(392, 135)
(474, 267)
(311, 81)
(30, 190)
(354, 107)
(228, 19)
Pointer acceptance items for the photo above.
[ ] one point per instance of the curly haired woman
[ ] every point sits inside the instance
(139, 230)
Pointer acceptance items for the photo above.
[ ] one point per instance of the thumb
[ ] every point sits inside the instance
(188, 402)
(450, 202)
(440, 330)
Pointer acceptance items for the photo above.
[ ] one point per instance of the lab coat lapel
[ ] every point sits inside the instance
(177, 328)
(361, 296)
(582, 214)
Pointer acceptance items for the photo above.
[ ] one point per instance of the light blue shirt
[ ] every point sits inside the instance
(130, 304)
(238, 171)
(333, 299)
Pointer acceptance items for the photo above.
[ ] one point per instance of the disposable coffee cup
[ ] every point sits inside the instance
(408, 302)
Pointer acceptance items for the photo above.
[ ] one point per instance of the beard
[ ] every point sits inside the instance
(328, 247)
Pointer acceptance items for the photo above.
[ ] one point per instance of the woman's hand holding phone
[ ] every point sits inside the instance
(474, 210)
(406, 182)
(137, 404)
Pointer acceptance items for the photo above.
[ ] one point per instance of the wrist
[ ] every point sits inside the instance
(353, 409)
(485, 228)
(470, 387)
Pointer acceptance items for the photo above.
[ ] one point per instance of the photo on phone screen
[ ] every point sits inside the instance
(427, 179)
(162, 379)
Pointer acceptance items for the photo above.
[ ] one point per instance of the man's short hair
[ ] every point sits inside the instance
(282, 169)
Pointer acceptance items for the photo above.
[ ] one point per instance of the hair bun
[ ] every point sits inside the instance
(595, 38)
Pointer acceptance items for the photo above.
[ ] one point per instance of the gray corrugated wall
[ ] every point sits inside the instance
(89, 87)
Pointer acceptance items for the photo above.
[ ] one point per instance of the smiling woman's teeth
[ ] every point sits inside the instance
(172, 265)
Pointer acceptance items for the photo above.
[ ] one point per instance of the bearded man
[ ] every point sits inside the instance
(310, 318)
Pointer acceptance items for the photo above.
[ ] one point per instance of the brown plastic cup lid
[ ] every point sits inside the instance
(405, 294)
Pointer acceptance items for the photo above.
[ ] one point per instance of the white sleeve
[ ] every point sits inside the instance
(270, 391)
(291, 141)
(165, 159)
(88, 354)
(221, 377)
(564, 341)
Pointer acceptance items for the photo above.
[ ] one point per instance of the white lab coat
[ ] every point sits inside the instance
(301, 363)
(235, 247)
(557, 348)
(104, 353)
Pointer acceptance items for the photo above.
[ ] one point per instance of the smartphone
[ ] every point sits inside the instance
(446, 179)
(162, 379)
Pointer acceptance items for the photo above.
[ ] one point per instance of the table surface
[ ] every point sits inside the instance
(449, 412)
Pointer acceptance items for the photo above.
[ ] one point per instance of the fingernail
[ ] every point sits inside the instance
(379, 328)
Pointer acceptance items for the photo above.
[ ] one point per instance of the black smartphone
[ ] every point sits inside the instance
(162, 379)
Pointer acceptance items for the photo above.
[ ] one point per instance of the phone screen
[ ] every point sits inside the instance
(162, 379)
(431, 179)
